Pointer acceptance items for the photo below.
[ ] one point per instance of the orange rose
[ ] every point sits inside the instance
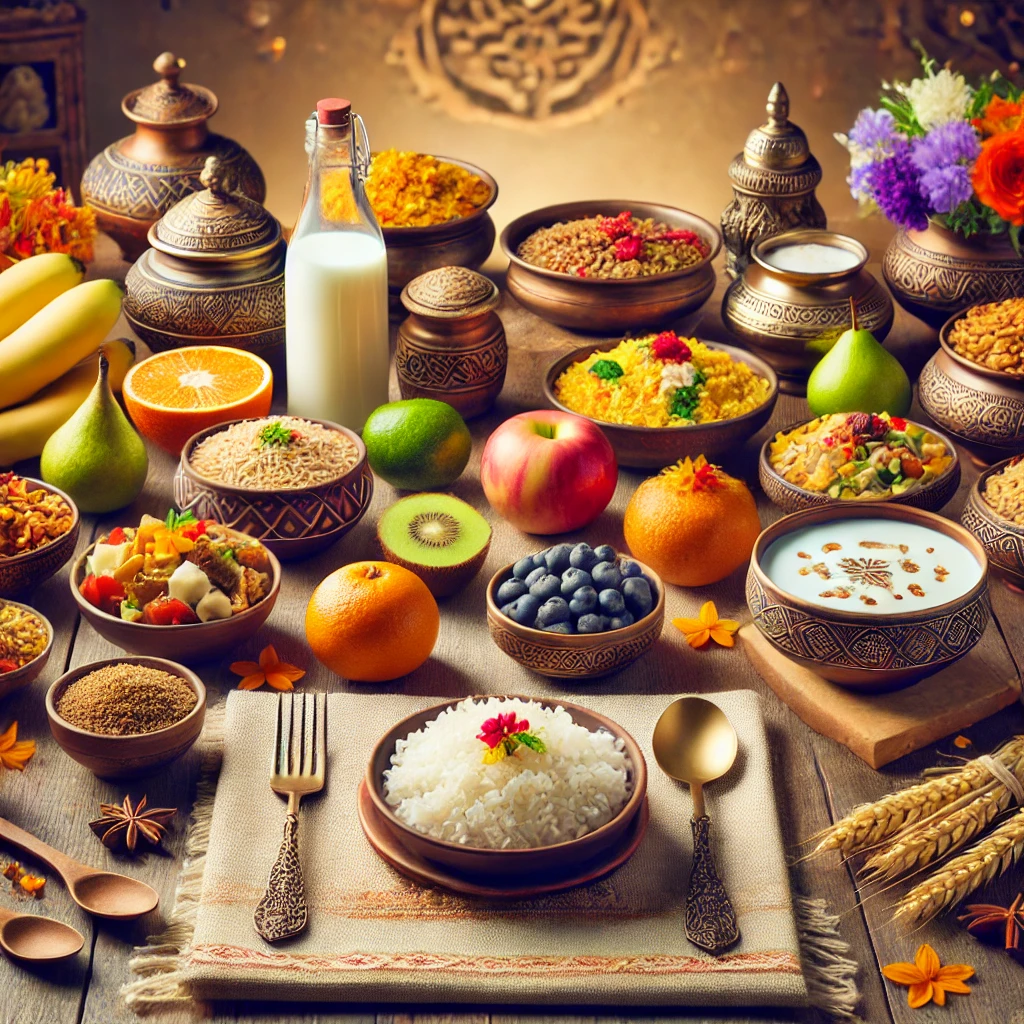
(1000, 116)
(998, 177)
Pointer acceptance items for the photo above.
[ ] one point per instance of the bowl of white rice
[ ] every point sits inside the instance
(546, 809)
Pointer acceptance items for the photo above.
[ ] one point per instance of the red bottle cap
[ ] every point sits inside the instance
(333, 111)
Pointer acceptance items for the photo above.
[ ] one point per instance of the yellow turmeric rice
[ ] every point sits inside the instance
(660, 381)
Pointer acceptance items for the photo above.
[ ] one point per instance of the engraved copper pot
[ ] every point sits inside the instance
(937, 272)
(789, 318)
(137, 179)
(452, 345)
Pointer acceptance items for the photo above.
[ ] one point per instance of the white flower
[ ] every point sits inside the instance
(938, 99)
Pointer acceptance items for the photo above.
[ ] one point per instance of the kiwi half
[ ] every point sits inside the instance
(437, 536)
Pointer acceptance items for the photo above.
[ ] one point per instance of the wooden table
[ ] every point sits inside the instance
(815, 778)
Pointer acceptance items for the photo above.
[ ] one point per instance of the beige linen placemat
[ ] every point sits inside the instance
(373, 936)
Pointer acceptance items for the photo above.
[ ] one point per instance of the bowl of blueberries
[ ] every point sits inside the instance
(575, 612)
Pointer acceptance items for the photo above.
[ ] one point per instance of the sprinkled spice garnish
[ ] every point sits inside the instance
(872, 572)
(826, 548)
(908, 566)
(868, 600)
(916, 589)
(877, 545)
(504, 735)
(941, 574)
(802, 554)
(930, 551)
(841, 592)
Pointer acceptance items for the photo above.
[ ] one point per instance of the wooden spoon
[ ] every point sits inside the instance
(102, 893)
(36, 939)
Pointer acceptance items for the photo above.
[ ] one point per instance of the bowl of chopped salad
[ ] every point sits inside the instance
(857, 456)
(181, 588)
(660, 397)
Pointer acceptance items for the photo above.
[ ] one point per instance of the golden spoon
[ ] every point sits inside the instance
(37, 939)
(695, 743)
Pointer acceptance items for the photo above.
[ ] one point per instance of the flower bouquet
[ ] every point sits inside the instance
(939, 149)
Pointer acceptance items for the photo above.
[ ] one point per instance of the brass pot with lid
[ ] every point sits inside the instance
(773, 183)
(214, 274)
(137, 179)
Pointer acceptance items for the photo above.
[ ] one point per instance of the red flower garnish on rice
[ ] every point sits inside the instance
(581, 271)
(628, 248)
(616, 227)
(494, 730)
(670, 348)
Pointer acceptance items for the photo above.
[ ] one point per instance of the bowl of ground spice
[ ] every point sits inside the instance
(610, 266)
(26, 639)
(124, 717)
(994, 513)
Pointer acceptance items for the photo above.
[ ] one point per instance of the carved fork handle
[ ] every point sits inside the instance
(710, 918)
(281, 913)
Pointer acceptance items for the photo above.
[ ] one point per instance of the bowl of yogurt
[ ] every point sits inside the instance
(871, 597)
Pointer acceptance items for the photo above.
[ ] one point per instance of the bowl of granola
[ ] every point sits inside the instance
(38, 532)
(26, 639)
(994, 513)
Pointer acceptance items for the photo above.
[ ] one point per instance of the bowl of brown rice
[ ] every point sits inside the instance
(610, 266)
(994, 513)
(296, 485)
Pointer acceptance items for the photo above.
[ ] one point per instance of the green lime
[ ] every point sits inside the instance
(417, 444)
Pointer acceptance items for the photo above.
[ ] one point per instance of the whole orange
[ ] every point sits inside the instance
(372, 621)
(692, 524)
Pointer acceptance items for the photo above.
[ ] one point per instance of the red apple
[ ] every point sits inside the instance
(548, 471)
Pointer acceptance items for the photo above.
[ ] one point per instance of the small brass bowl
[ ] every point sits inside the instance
(872, 653)
(126, 757)
(487, 862)
(656, 447)
(615, 305)
(791, 498)
(579, 655)
(1002, 540)
(19, 678)
(22, 573)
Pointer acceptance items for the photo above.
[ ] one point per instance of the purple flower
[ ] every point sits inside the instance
(896, 188)
(948, 145)
(946, 188)
(875, 131)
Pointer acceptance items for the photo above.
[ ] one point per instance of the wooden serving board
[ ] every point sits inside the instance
(880, 727)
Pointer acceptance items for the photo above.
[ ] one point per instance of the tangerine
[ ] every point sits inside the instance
(372, 621)
(692, 524)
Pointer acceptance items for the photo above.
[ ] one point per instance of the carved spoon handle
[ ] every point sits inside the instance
(281, 914)
(710, 919)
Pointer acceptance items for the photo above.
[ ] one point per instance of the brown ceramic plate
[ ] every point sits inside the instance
(30, 672)
(428, 872)
(657, 447)
(506, 864)
(125, 757)
(1002, 540)
(24, 572)
(609, 306)
(791, 498)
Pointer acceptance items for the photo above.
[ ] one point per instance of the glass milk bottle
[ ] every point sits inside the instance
(336, 282)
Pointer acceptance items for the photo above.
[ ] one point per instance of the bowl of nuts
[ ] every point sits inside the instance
(994, 513)
(26, 639)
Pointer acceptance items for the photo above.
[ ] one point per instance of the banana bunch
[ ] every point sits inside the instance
(52, 329)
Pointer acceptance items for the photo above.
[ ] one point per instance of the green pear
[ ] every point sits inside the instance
(858, 375)
(96, 457)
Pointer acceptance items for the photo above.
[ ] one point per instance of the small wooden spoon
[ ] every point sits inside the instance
(102, 893)
(37, 939)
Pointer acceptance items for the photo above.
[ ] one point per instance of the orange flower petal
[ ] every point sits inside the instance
(920, 993)
(730, 624)
(268, 657)
(245, 668)
(279, 681)
(904, 974)
(927, 960)
(253, 681)
(698, 639)
(954, 986)
(8, 738)
(291, 672)
(708, 613)
(954, 972)
(721, 636)
(688, 625)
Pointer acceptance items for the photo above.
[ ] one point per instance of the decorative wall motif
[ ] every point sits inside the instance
(527, 63)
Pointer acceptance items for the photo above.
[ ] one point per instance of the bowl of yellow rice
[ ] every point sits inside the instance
(660, 397)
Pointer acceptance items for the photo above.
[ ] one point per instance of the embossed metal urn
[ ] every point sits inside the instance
(214, 274)
(773, 181)
(137, 179)
(452, 345)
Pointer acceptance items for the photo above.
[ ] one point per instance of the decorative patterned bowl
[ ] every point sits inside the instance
(791, 498)
(292, 524)
(868, 652)
(603, 306)
(656, 447)
(581, 655)
(22, 677)
(24, 572)
(1002, 540)
(125, 757)
(516, 863)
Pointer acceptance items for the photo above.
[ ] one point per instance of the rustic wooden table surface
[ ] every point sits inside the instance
(816, 779)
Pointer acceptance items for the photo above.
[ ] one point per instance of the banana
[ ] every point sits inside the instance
(27, 286)
(58, 336)
(25, 428)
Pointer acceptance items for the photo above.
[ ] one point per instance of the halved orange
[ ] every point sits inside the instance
(172, 395)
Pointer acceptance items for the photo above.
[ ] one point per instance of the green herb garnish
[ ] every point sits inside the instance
(176, 520)
(685, 400)
(607, 369)
(276, 435)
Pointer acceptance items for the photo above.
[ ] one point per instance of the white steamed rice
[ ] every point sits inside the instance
(438, 784)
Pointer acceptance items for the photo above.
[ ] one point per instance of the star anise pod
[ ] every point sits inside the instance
(1000, 924)
(122, 825)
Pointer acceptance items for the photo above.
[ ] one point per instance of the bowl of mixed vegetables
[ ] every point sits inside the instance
(179, 587)
(856, 456)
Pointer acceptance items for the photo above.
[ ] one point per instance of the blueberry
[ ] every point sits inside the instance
(611, 602)
(560, 627)
(606, 623)
(539, 559)
(582, 557)
(605, 553)
(650, 582)
(621, 621)
(523, 567)
(573, 579)
(583, 601)
(557, 558)
(554, 610)
(523, 609)
(589, 624)
(536, 574)
(547, 586)
(511, 589)
(638, 596)
(606, 575)
(628, 569)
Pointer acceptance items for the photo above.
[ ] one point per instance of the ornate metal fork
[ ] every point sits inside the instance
(300, 758)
